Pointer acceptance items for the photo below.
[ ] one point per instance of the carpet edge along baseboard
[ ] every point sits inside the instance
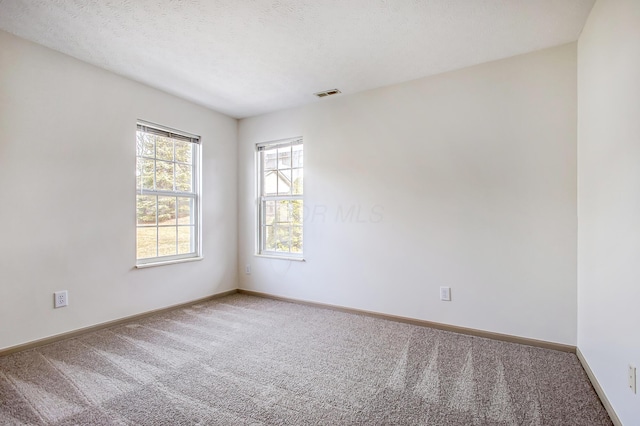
(80, 331)
(440, 326)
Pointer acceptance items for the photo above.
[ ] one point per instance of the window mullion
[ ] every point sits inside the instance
(157, 229)
(282, 197)
(177, 224)
(169, 193)
(155, 165)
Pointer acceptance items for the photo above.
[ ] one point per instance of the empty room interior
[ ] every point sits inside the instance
(276, 212)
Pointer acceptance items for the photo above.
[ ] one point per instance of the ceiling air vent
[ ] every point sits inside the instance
(327, 93)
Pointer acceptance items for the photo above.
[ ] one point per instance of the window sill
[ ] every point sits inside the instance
(168, 262)
(275, 256)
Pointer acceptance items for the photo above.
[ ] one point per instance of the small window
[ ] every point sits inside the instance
(168, 194)
(280, 175)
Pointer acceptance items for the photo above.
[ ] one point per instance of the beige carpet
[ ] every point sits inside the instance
(243, 360)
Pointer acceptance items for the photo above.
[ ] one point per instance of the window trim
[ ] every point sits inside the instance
(196, 194)
(259, 235)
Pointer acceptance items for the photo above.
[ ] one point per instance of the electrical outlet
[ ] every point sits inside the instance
(60, 299)
(445, 294)
(247, 269)
(632, 378)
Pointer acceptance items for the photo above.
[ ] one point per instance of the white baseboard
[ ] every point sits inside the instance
(594, 382)
(440, 326)
(84, 330)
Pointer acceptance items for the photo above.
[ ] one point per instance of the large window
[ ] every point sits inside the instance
(280, 198)
(168, 196)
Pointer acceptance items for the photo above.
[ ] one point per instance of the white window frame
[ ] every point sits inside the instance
(195, 194)
(262, 199)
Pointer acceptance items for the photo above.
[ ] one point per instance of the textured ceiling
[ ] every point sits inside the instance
(247, 57)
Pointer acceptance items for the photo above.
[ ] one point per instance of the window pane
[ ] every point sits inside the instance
(186, 239)
(146, 209)
(284, 182)
(271, 183)
(166, 210)
(269, 238)
(296, 181)
(286, 175)
(145, 173)
(269, 159)
(145, 145)
(296, 240)
(284, 158)
(269, 212)
(184, 152)
(167, 241)
(297, 156)
(164, 176)
(186, 214)
(164, 148)
(183, 177)
(283, 236)
(146, 242)
(297, 212)
(283, 211)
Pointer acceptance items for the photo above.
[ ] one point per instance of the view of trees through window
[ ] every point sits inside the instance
(166, 198)
(281, 212)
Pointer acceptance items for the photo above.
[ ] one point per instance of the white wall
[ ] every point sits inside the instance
(609, 199)
(466, 179)
(67, 195)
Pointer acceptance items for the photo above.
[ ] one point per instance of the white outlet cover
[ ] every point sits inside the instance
(60, 299)
(445, 294)
(247, 269)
